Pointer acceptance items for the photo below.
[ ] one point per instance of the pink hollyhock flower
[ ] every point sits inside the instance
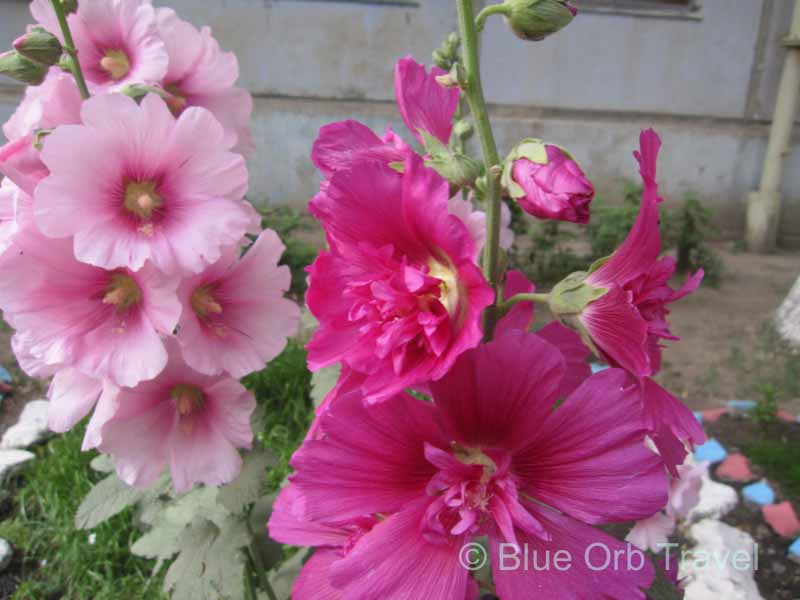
(491, 457)
(105, 323)
(145, 186)
(627, 321)
(548, 183)
(20, 162)
(10, 199)
(55, 102)
(235, 317)
(399, 295)
(190, 422)
(424, 104)
(201, 74)
(117, 41)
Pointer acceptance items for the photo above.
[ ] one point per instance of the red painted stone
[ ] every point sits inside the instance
(714, 414)
(736, 468)
(782, 518)
(785, 415)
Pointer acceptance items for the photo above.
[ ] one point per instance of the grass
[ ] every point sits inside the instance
(780, 461)
(54, 559)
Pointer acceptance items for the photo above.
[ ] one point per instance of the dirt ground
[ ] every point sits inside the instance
(726, 343)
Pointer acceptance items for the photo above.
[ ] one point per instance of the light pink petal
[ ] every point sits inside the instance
(72, 396)
(20, 162)
(585, 577)
(394, 561)
(424, 104)
(588, 458)
(105, 409)
(371, 460)
(652, 533)
(230, 408)
(482, 406)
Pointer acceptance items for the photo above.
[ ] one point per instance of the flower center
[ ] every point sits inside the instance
(142, 200)
(116, 64)
(448, 286)
(189, 400)
(176, 101)
(122, 292)
(204, 304)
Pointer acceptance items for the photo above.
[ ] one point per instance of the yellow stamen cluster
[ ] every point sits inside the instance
(142, 200)
(122, 292)
(116, 64)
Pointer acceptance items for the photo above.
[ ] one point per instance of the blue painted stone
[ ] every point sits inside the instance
(596, 368)
(794, 550)
(5, 375)
(712, 451)
(759, 493)
(742, 405)
(699, 416)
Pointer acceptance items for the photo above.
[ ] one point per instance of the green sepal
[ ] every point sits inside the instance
(531, 149)
(573, 294)
(457, 168)
(39, 45)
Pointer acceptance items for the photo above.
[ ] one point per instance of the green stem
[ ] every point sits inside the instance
(473, 90)
(258, 564)
(542, 298)
(492, 9)
(69, 48)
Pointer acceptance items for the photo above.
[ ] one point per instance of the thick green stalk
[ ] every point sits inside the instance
(473, 90)
(505, 306)
(69, 48)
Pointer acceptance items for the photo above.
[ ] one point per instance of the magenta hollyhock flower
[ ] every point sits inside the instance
(491, 457)
(105, 323)
(555, 190)
(145, 186)
(201, 74)
(424, 104)
(190, 422)
(235, 318)
(398, 296)
(343, 144)
(117, 41)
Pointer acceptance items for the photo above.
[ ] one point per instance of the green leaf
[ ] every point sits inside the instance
(283, 579)
(109, 497)
(323, 381)
(249, 486)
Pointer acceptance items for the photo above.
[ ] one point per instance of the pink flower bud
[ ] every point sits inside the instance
(550, 185)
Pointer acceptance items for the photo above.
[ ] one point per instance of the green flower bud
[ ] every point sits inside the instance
(534, 20)
(459, 169)
(16, 66)
(571, 296)
(39, 45)
(463, 129)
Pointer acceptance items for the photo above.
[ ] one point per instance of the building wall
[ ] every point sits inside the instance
(706, 81)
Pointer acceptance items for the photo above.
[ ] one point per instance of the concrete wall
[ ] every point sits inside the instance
(706, 81)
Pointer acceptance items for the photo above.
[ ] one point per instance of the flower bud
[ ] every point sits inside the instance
(568, 299)
(534, 20)
(459, 169)
(24, 70)
(547, 182)
(39, 45)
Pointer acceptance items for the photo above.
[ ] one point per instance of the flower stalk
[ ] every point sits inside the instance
(541, 298)
(69, 49)
(473, 90)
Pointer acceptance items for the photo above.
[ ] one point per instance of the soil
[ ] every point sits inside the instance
(778, 578)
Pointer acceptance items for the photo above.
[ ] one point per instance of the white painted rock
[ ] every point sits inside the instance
(716, 500)
(31, 428)
(721, 565)
(11, 460)
(6, 554)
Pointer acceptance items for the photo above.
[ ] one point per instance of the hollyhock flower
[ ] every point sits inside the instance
(235, 317)
(105, 323)
(145, 186)
(621, 308)
(684, 494)
(190, 422)
(491, 457)
(20, 162)
(399, 295)
(55, 102)
(426, 106)
(201, 74)
(117, 41)
(548, 183)
(9, 200)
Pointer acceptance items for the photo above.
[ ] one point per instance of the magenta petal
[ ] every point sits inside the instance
(585, 549)
(498, 394)
(314, 583)
(341, 144)
(372, 459)
(287, 527)
(576, 355)
(589, 459)
(521, 314)
(393, 561)
(424, 104)
(619, 330)
(643, 244)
